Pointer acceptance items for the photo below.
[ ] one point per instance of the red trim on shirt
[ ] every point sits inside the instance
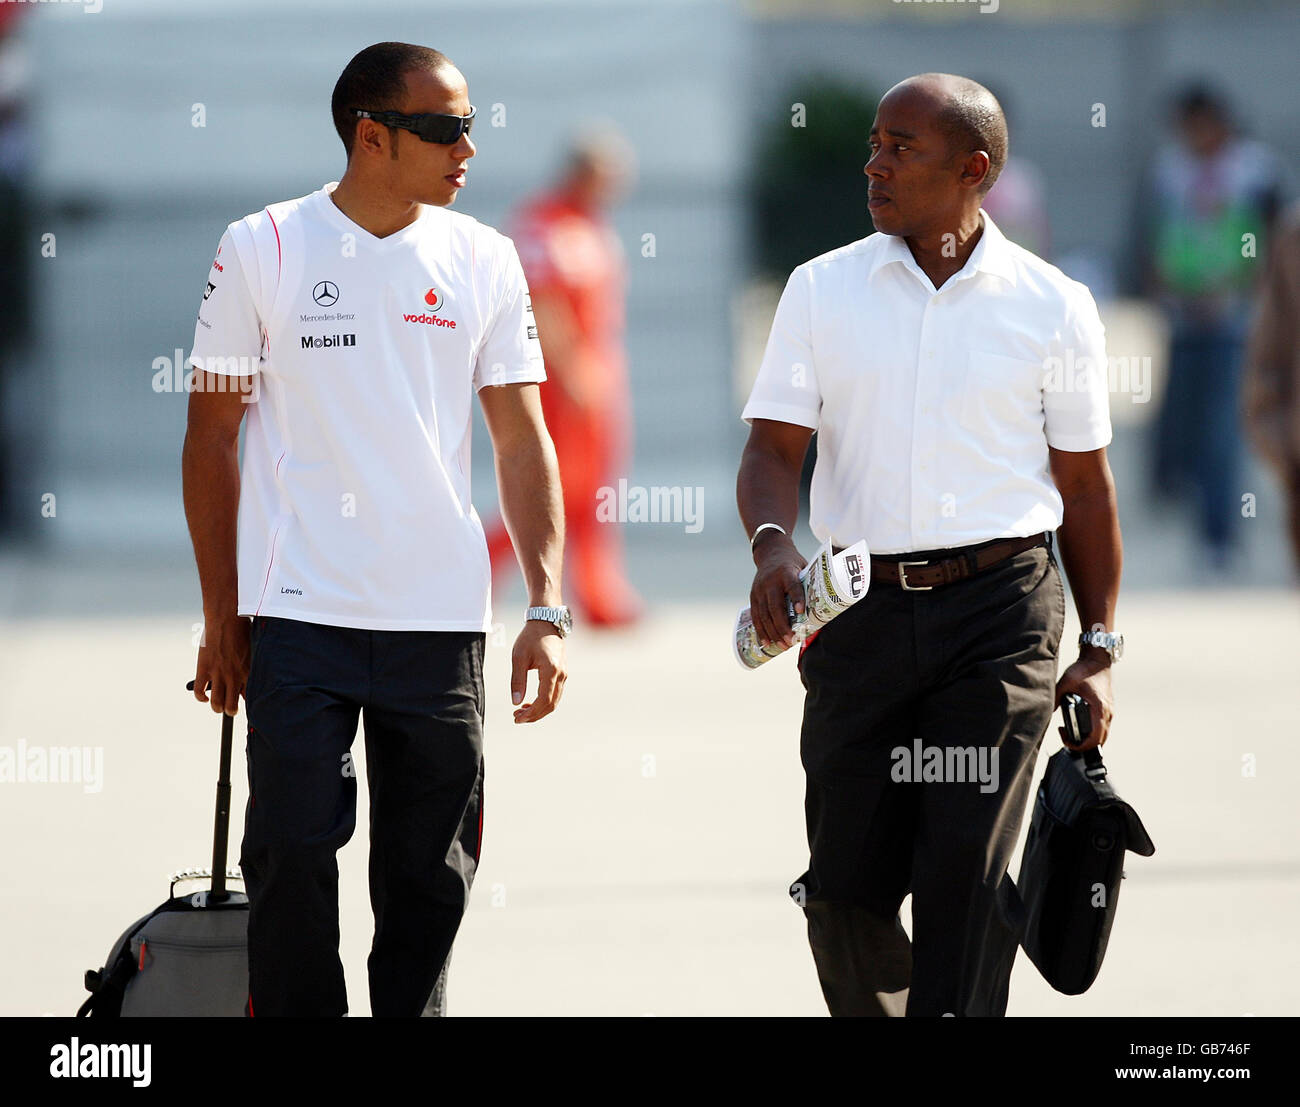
(274, 539)
(279, 257)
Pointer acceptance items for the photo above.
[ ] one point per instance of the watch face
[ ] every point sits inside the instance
(566, 621)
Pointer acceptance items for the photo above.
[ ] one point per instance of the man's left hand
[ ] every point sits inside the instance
(539, 646)
(1091, 680)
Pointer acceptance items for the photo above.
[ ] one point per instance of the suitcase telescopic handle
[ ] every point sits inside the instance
(221, 823)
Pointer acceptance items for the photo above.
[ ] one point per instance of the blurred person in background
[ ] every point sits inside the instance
(575, 269)
(17, 243)
(1272, 402)
(1018, 205)
(1207, 190)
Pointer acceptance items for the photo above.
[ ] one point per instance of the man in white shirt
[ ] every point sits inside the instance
(353, 327)
(958, 387)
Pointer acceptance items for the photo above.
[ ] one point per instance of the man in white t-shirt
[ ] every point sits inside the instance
(352, 329)
(958, 388)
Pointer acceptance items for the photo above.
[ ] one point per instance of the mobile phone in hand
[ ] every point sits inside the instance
(1078, 719)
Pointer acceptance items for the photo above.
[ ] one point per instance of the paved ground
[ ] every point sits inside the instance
(638, 843)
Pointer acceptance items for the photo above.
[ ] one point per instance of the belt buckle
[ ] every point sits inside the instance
(902, 577)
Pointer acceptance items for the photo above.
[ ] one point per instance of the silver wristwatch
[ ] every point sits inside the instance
(1113, 644)
(558, 615)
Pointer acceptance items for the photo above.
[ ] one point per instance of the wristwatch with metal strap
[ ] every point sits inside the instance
(1113, 644)
(558, 615)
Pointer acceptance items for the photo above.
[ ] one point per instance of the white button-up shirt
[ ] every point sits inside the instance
(934, 409)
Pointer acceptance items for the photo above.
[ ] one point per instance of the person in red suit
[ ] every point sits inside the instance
(576, 274)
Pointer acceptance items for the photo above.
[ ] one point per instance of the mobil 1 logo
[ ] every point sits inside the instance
(327, 341)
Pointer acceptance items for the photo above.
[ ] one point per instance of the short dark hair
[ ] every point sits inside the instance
(375, 80)
(1202, 98)
(972, 119)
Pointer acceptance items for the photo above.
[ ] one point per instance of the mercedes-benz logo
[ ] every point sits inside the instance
(326, 293)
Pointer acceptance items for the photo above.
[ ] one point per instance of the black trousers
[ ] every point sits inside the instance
(420, 696)
(967, 670)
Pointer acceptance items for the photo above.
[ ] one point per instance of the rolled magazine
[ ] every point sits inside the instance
(832, 583)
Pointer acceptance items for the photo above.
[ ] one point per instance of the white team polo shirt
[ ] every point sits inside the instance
(934, 410)
(355, 505)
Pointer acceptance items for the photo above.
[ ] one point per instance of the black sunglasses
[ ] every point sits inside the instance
(443, 129)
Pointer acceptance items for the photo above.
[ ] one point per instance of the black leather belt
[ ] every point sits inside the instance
(921, 576)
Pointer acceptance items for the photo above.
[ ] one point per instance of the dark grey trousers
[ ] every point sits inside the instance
(968, 671)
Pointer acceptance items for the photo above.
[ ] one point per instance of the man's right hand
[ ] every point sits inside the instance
(776, 580)
(223, 663)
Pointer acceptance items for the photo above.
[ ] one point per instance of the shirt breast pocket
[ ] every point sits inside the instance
(1000, 391)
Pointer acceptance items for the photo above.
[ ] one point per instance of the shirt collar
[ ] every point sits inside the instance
(992, 255)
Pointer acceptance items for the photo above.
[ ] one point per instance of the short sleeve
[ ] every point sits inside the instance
(510, 352)
(228, 334)
(1076, 401)
(786, 388)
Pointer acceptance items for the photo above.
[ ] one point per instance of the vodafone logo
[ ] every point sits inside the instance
(434, 299)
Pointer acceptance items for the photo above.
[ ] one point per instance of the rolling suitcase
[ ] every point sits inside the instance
(189, 955)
